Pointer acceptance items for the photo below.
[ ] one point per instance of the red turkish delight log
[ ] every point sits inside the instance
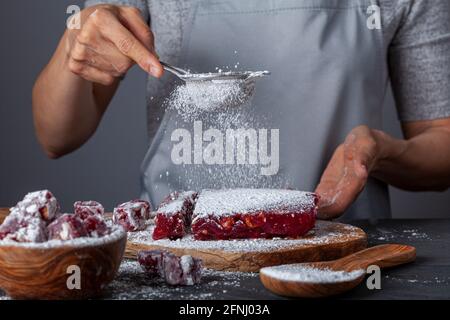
(253, 213)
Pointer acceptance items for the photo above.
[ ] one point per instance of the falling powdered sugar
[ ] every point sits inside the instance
(194, 98)
(302, 273)
(225, 109)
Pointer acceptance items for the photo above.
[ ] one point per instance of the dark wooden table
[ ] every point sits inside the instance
(427, 278)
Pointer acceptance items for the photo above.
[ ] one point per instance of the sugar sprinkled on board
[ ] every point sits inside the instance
(321, 234)
(302, 273)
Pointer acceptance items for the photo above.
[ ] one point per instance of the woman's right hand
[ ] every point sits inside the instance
(111, 40)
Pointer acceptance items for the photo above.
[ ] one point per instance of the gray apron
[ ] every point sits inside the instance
(329, 75)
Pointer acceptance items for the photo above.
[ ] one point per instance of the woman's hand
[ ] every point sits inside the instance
(111, 40)
(348, 170)
(73, 91)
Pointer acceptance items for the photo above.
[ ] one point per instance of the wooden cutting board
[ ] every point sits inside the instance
(328, 241)
(3, 213)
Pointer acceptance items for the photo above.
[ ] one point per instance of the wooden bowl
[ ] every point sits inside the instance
(54, 270)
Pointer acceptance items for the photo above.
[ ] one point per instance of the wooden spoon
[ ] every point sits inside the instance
(384, 256)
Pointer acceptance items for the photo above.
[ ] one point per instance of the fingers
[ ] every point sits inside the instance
(133, 21)
(111, 41)
(361, 149)
(335, 198)
(338, 186)
(90, 73)
(109, 60)
(112, 29)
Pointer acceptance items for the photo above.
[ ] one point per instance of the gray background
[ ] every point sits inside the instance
(107, 167)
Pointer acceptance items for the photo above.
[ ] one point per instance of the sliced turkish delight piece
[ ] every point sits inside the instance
(174, 215)
(185, 270)
(42, 204)
(151, 262)
(175, 270)
(145, 206)
(67, 227)
(84, 209)
(171, 226)
(179, 201)
(253, 213)
(132, 215)
(189, 195)
(173, 273)
(192, 270)
(96, 226)
(20, 228)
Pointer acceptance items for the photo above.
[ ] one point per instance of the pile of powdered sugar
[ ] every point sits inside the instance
(302, 273)
(230, 201)
(321, 232)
